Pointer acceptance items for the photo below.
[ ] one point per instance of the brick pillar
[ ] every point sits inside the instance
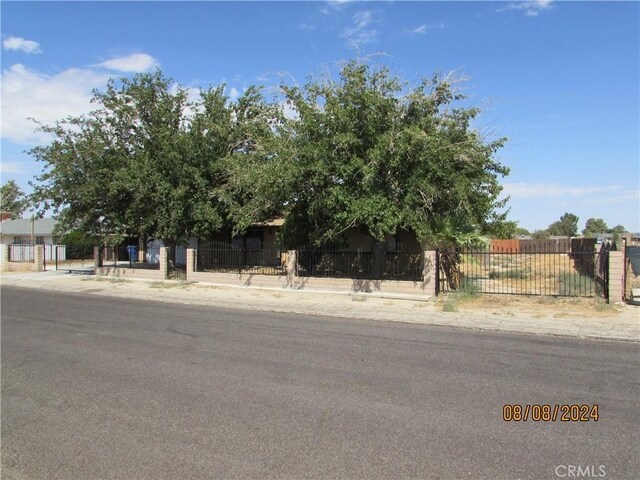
(191, 262)
(429, 272)
(96, 260)
(616, 277)
(38, 260)
(4, 257)
(164, 262)
(292, 271)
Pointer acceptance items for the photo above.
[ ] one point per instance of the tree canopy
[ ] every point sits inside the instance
(594, 226)
(149, 162)
(372, 153)
(364, 151)
(567, 226)
(13, 199)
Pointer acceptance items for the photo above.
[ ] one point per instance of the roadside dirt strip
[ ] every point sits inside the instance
(580, 318)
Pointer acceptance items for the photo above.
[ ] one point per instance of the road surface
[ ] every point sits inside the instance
(102, 387)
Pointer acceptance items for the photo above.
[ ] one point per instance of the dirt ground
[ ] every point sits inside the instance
(536, 306)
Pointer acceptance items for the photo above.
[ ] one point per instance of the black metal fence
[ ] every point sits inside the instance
(130, 257)
(570, 274)
(22, 253)
(69, 257)
(365, 265)
(177, 268)
(242, 261)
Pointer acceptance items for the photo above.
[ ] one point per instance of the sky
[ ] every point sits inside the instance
(560, 80)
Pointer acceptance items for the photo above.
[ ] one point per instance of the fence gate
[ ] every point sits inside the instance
(177, 268)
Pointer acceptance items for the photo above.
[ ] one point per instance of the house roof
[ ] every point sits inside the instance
(275, 222)
(22, 226)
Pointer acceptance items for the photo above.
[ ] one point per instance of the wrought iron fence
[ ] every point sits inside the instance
(129, 256)
(234, 260)
(365, 265)
(68, 257)
(21, 253)
(571, 274)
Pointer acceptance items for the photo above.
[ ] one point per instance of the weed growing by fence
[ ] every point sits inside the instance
(572, 283)
(518, 273)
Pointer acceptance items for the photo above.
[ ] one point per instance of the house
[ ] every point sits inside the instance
(37, 231)
(264, 236)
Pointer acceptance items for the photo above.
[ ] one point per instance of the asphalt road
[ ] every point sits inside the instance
(97, 387)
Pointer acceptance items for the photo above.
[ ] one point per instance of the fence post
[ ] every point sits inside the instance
(291, 266)
(430, 272)
(38, 258)
(616, 276)
(191, 256)
(164, 262)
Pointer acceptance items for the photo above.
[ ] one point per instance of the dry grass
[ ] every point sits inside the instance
(537, 306)
(551, 274)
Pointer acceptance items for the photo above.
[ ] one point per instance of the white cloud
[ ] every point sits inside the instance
(135, 63)
(519, 190)
(11, 168)
(306, 26)
(234, 93)
(361, 33)
(424, 28)
(421, 30)
(46, 98)
(531, 8)
(18, 43)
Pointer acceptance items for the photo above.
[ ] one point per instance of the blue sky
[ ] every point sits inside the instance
(560, 79)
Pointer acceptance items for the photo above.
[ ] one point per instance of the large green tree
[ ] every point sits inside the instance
(13, 199)
(567, 226)
(594, 226)
(148, 162)
(372, 153)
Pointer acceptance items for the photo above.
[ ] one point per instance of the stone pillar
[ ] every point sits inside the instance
(191, 262)
(429, 272)
(291, 266)
(38, 258)
(616, 277)
(164, 262)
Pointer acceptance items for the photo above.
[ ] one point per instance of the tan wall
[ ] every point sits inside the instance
(35, 266)
(269, 240)
(130, 273)
(19, 267)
